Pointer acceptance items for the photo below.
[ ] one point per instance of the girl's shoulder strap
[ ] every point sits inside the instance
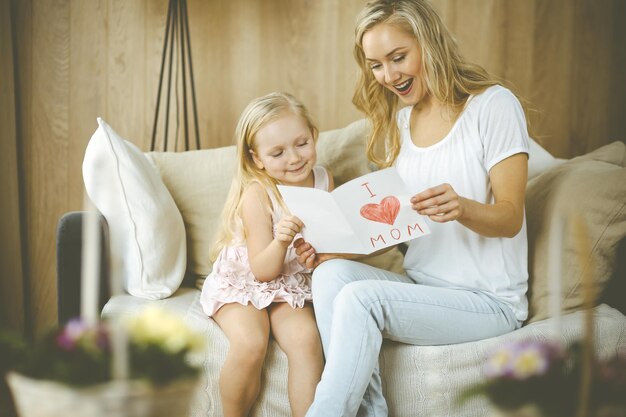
(321, 177)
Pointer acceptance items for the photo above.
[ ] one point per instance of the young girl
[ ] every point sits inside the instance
(257, 285)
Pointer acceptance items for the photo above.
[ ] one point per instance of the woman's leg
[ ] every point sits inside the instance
(328, 280)
(366, 311)
(247, 330)
(296, 333)
(330, 277)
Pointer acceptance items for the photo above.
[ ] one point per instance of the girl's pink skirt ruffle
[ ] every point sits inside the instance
(231, 281)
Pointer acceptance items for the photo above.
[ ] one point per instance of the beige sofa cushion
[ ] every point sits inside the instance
(342, 151)
(417, 380)
(199, 182)
(592, 186)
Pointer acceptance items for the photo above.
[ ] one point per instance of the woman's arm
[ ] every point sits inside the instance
(266, 252)
(308, 257)
(503, 218)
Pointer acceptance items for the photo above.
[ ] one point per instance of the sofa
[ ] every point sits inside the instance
(160, 209)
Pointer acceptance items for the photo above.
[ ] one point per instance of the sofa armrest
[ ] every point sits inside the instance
(69, 249)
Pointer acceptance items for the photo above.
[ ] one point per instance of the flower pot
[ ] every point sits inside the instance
(41, 398)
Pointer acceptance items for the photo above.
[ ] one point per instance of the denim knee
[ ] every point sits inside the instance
(329, 278)
(359, 298)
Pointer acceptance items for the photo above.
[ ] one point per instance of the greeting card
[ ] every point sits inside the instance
(362, 216)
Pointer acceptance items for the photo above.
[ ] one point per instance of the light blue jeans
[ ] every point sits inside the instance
(357, 306)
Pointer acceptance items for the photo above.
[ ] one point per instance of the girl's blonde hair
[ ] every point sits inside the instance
(448, 77)
(257, 114)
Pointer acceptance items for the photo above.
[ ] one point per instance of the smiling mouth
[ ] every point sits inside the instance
(297, 171)
(404, 87)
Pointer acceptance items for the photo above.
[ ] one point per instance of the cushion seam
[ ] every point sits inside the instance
(594, 251)
(127, 206)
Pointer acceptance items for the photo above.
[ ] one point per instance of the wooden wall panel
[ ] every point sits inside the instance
(126, 65)
(11, 289)
(480, 28)
(554, 26)
(519, 59)
(87, 87)
(78, 60)
(300, 46)
(591, 77)
(617, 100)
(46, 152)
(22, 15)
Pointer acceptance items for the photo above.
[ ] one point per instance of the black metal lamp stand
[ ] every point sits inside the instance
(176, 30)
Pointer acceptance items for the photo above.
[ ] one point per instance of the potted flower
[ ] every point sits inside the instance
(69, 370)
(543, 379)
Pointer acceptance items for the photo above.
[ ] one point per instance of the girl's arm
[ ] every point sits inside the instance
(266, 253)
(503, 218)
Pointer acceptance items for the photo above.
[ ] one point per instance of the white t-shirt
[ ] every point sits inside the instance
(492, 127)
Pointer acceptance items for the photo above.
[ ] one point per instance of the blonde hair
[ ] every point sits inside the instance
(448, 77)
(257, 114)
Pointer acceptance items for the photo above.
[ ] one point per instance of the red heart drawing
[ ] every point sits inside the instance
(385, 212)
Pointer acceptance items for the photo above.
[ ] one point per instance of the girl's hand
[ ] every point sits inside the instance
(440, 203)
(287, 228)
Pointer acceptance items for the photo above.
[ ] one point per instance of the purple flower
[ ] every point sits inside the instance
(522, 360)
(70, 334)
(78, 335)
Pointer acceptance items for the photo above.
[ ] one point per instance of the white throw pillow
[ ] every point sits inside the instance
(539, 159)
(146, 230)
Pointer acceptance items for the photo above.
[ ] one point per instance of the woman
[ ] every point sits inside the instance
(460, 139)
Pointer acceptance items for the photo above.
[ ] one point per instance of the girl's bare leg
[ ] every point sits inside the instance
(296, 333)
(247, 330)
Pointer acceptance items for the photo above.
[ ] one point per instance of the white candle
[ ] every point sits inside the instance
(90, 265)
(90, 286)
(118, 335)
(119, 348)
(555, 253)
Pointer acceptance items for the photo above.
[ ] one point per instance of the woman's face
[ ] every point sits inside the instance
(395, 59)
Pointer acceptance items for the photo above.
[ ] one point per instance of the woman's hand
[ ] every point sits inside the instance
(287, 228)
(502, 218)
(440, 203)
(306, 253)
(308, 257)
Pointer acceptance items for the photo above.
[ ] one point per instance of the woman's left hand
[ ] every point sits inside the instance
(309, 258)
(440, 203)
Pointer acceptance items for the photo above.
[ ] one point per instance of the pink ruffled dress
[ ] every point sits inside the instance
(232, 281)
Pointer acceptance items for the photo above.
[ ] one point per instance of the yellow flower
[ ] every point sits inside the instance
(160, 327)
(528, 363)
(499, 363)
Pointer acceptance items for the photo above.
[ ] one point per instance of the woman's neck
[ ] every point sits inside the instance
(431, 121)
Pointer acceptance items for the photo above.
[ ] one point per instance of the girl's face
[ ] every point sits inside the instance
(286, 150)
(395, 59)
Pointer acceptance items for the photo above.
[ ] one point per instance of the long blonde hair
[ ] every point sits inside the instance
(257, 114)
(448, 77)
